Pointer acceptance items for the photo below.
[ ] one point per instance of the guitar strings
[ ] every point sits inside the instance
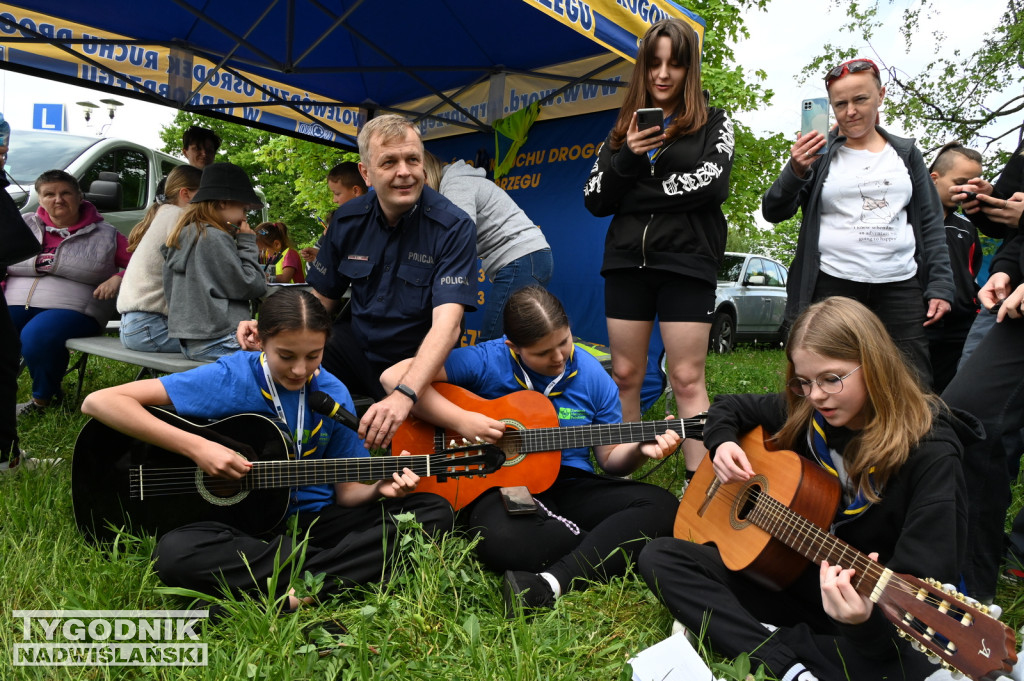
(265, 474)
(568, 437)
(773, 511)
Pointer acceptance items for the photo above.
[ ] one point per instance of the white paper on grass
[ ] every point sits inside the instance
(673, 659)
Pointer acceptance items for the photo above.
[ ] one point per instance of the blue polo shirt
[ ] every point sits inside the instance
(486, 369)
(231, 385)
(398, 274)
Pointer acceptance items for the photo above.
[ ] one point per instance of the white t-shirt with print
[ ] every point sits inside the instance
(865, 235)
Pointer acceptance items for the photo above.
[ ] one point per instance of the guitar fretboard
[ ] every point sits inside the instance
(812, 542)
(570, 437)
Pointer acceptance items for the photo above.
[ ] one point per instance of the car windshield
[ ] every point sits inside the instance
(731, 267)
(33, 153)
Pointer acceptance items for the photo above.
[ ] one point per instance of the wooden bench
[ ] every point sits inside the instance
(151, 363)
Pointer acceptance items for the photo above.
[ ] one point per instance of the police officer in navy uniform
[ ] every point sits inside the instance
(408, 255)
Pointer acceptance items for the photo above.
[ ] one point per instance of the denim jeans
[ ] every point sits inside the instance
(533, 268)
(43, 333)
(147, 332)
(209, 350)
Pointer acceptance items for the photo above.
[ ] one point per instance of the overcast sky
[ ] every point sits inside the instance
(789, 35)
(782, 41)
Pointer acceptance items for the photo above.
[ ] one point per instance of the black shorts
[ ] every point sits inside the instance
(641, 293)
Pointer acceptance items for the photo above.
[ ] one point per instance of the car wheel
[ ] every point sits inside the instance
(723, 333)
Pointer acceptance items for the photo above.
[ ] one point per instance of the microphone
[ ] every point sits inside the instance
(322, 403)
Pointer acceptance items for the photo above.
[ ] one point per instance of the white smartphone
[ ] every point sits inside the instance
(814, 116)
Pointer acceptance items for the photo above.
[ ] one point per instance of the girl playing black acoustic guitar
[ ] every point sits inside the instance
(853, 406)
(352, 531)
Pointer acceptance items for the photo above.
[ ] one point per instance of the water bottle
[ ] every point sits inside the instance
(5, 132)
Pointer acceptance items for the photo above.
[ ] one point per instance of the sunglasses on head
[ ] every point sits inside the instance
(852, 66)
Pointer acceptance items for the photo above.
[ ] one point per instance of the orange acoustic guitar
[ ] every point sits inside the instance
(773, 523)
(532, 442)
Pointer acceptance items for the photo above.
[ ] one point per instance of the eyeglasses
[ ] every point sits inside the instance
(852, 66)
(829, 383)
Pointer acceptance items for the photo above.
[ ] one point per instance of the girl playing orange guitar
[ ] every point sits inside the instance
(852, 406)
(585, 526)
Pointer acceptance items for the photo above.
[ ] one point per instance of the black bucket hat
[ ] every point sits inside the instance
(226, 182)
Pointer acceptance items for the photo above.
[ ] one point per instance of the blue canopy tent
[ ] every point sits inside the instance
(316, 69)
(309, 67)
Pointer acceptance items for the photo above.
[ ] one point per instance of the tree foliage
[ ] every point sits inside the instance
(757, 160)
(290, 172)
(974, 97)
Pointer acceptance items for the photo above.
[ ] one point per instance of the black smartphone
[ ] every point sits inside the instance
(518, 500)
(649, 118)
(970, 196)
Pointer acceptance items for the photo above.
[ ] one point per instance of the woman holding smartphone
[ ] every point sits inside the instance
(872, 226)
(665, 186)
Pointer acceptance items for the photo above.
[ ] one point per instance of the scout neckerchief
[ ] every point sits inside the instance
(269, 391)
(823, 453)
(562, 380)
(653, 154)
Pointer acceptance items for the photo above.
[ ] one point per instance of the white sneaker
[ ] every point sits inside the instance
(28, 463)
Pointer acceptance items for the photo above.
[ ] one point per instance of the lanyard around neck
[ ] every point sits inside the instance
(300, 419)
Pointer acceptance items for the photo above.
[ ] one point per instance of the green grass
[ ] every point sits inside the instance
(441, 616)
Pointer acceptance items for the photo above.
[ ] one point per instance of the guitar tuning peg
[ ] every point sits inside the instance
(465, 441)
(932, 657)
(916, 645)
(949, 589)
(993, 610)
(452, 443)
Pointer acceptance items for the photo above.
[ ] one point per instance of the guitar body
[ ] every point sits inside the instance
(521, 410)
(101, 480)
(791, 479)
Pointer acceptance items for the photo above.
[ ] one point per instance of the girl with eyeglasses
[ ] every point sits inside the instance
(664, 186)
(854, 407)
(872, 226)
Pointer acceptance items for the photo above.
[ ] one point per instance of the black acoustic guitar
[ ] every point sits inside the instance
(118, 481)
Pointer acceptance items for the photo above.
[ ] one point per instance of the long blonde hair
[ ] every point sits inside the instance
(898, 413)
(200, 215)
(182, 177)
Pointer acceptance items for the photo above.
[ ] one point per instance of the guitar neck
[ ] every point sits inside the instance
(571, 437)
(272, 474)
(815, 544)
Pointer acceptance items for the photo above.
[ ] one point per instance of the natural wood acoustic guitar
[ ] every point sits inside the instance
(771, 525)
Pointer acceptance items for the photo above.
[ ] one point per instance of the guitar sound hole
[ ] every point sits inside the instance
(748, 501)
(220, 487)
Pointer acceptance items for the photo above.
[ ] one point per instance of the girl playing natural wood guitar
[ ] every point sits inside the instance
(585, 526)
(852, 406)
(354, 534)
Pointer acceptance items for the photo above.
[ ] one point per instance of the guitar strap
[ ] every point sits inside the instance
(826, 456)
(269, 391)
(562, 380)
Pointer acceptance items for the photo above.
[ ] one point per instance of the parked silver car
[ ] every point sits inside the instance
(750, 301)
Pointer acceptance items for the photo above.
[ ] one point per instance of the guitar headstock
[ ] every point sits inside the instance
(479, 458)
(964, 635)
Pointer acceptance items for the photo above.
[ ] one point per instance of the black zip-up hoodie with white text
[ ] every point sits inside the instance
(668, 214)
